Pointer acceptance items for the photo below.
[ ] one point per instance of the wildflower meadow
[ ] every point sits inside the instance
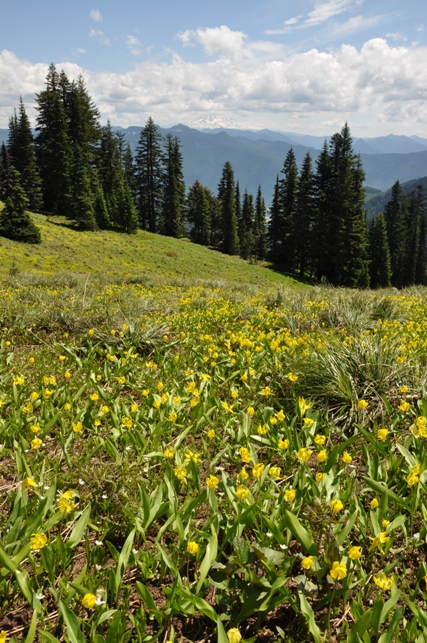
(206, 462)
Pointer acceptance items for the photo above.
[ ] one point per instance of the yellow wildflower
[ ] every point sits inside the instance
(382, 434)
(319, 477)
(29, 482)
(362, 404)
(77, 427)
(379, 540)
(275, 472)
(336, 505)
(308, 562)
(346, 458)
(35, 428)
(383, 582)
(304, 454)
(266, 391)
(168, 452)
(172, 417)
(211, 433)
(374, 503)
(292, 377)
(18, 380)
(283, 444)
(308, 422)
(385, 523)
(280, 416)
(89, 601)
(322, 456)
(403, 389)
(38, 541)
(234, 635)
(244, 454)
(192, 547)
(212, 481)
(258, 469)
(262, 429)
(190, 456)
(181, 472)
(320, 439)
(338, 570)
(303, 406)
(242, 492)
(355, 552)
(290, 494)
(243, 474)
(404, 406)
(65, 502)
(34, 396)
(36, 443)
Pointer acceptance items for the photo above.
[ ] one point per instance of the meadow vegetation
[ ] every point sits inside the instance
(195, 448)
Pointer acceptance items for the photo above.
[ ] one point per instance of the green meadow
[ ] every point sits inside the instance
(195, 448)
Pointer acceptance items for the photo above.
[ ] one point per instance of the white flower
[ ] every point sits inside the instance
(99, 543)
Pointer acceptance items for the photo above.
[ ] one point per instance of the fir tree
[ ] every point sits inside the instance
(380, 266)
(199, 214)
(126, 217)
(173, 191)
(276, 231)
(25, 160)
(227, 199)
(15, 222)
(246, 226)
(288, 198)
(149, 172)
(323, 184)
(82, 196)
(102, 216)
(395, 217)
(304, 218)
(259, 235)
(53, 146)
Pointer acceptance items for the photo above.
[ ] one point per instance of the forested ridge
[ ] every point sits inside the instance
(313, 226)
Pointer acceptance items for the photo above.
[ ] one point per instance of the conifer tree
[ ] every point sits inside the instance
(276, 231)
(259, 234)
(53, 146)
(227, 199)
(102, 216)
(304, 218)
(15, 222)
(173, 212)
(149, 173)
(288, 199)
(380, 267)
(199, 214)
(126, 217)
(23, 153)
(83, 211)
(395, 217)
(246, 226)
(323, 183)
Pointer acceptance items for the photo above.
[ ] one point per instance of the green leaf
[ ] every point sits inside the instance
(300, 532)
(388, 636)
(48, 636)
(32, 631)
(79, 529)
(241, 548)
(307, 610)
(72, 624)
(342, 535)
(210, 555)
(360, 627)
(199, 603)
(123, 561)
(269, 556)
(380, 487)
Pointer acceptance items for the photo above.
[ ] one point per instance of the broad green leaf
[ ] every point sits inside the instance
(380, 487)
(300, 532)
(32, 630)
(123, 561)
(360, 627)
(79, 529)
(72, 624)
(210, 555)
(307, 610)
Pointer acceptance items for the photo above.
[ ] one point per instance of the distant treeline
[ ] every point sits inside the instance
(315, 227)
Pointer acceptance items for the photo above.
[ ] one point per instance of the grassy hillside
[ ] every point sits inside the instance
(120, 257)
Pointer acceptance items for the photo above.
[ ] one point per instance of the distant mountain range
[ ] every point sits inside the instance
(257, 156)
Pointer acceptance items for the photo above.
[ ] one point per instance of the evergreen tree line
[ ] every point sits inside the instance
(315, 227)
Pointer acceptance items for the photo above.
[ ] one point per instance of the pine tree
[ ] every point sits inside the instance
(276, 233)
(395, 216)
(149, 172)
(288, 197)
(380, 266)
(259, 242)
(108, 163)
(199, 214)
(25, 161)
(246, 226)
(173, 210)
(83, 211)
(53, 146)
(323, 183)
(304, 218)
(127, 217)
(227, 199)
(7, 174)
(102, 216)
(15, 223)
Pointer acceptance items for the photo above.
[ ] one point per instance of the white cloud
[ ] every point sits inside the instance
(377, 83)
(81, 51)
(396, 36)
(420, 28)
(100, 37)
(95, 14)
(323, 11)
(134, 45)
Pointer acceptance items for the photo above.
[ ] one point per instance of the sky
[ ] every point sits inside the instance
(303, 66)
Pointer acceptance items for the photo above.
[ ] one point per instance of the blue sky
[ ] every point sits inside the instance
(304, 66)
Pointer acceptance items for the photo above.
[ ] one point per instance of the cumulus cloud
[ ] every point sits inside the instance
(379, 81)
(96, 15)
